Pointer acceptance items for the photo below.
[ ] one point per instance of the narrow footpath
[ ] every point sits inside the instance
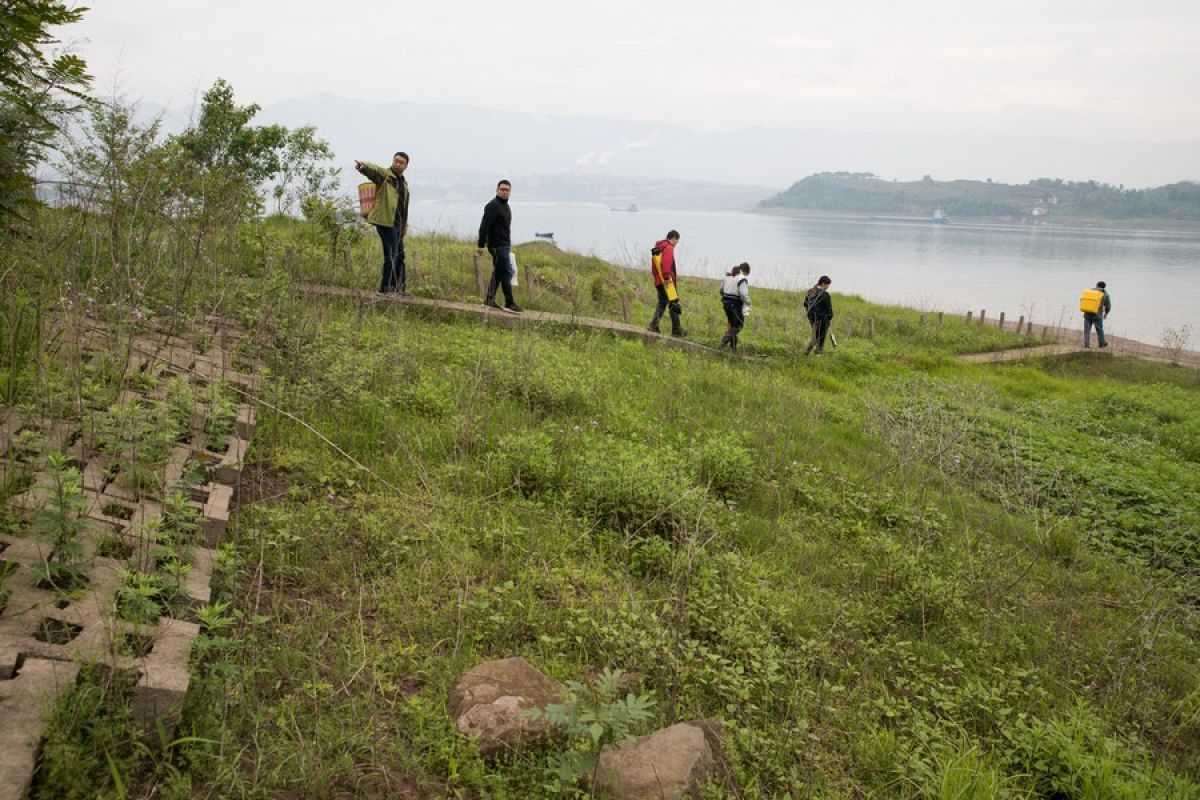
(502, 317)
(1067, 339)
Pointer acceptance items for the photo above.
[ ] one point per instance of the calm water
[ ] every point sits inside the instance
(1154, 278)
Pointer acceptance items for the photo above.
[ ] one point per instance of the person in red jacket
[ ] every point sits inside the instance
(662, 267)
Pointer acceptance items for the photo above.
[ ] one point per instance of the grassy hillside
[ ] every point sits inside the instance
(887, 572)
(890, 574)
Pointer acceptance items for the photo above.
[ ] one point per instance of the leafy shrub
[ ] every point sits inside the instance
(593, 716)
(722, 463)
(526, 461)
(1073, 757)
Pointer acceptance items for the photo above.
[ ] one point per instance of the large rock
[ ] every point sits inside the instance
(488, 704)
(666, 765)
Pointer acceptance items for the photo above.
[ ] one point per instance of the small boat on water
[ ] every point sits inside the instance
(544, 234)
(939, 218)
(632, 208)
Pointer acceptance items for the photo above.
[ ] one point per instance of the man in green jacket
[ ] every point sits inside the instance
(389, 215)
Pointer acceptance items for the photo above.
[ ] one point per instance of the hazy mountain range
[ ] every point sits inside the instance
(463, 149)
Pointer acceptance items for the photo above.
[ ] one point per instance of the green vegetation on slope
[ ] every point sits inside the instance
(890, 574)
(1056, 199)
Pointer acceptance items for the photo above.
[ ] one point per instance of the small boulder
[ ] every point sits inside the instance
(488, 704)
(666, 765)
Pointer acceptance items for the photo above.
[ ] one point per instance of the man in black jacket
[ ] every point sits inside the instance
(819, 307)
(495, 233)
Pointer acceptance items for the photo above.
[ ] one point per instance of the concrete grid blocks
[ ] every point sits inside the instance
(46, 635)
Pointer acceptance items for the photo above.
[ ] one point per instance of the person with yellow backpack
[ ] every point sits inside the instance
(662, 267)
(1095, 305)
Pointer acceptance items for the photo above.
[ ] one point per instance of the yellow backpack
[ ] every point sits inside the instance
(1090, 301)
(656, 265)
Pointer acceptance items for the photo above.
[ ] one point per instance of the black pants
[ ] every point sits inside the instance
(663, 303)
(501, 275)
(393, 278)
(820, 327)
(737, 320)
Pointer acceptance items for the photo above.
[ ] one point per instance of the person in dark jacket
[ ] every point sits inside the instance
(389, 215)
(818, 306)
(664, 273)
(495, 234)
(1097, 320)
(735, 300)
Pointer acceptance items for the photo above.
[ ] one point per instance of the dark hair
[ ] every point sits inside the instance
(824, 280)
(744, 267)
(401, 153)
(672, 234)
(1100, 284)
(504, 183)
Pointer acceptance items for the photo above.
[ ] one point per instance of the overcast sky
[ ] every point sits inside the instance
(1084, 69)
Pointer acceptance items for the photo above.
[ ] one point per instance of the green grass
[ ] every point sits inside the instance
(890, 574)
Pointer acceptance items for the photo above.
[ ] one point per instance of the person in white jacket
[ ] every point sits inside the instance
(735, 299)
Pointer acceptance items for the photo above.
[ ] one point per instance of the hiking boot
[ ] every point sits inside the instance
(491, 304)
(676, 327)
(513, 308)
(654, 329)
(1104, 344)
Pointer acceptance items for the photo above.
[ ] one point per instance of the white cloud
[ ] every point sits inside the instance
(1105, 69)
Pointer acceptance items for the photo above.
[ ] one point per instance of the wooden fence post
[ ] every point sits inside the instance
(1045, 331)
(625, 315)
(870, 328)
(982, 315)
(1001, 320)
(478, 275)
(941, 318)
(970, 315)
(1020, 324)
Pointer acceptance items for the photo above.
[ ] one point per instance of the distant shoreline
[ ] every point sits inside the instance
(1167, 227)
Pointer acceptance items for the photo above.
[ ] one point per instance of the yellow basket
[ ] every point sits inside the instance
(366, 198)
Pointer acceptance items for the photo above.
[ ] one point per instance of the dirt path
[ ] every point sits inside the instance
(503, 317)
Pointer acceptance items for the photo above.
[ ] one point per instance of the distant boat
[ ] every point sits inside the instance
(939, 218)
(631, 207)
(544, 234)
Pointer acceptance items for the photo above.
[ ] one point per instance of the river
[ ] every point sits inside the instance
(1036, 272)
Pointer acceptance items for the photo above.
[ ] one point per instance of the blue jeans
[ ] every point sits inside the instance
(393, 278)
(1088, 321)
(501, 275)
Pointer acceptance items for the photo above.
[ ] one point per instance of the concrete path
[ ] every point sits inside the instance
(502, 317)
(1126, 348)
(1019, 354)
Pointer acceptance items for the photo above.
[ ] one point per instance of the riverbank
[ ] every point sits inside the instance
(1037, 273)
